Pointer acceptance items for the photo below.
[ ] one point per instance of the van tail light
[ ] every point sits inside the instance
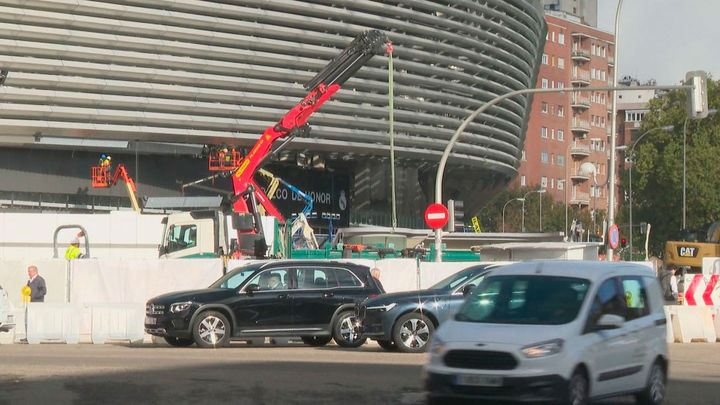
(372, 295)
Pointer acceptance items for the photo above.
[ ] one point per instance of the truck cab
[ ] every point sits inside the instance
(208, 233)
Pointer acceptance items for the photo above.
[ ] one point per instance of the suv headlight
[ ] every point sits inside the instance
(383, 308)
(543, 349)
(180, 306)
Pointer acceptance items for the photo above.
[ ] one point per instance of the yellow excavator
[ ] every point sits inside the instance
(692, 249)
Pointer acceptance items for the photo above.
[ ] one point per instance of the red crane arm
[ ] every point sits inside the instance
(326, 83)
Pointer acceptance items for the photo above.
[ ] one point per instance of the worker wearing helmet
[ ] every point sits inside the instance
(73, 251)
(107, 161)
(101, 162)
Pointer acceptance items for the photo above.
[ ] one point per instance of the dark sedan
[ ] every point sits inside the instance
(312, 299)
(405, 321)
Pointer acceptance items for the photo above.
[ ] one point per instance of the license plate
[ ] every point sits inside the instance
(150, 321)
(479, 380)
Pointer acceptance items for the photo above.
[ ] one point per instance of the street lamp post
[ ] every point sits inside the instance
(540, 191)
(684, 206)
(612, 168)
(503, 210)
(631, 155)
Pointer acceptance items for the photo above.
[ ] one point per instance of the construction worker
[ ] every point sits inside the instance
(107, 161)
(73, 251)
(101, 162)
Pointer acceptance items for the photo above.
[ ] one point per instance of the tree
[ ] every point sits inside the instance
(658, 170)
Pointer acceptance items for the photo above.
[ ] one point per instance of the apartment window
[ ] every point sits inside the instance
(602, 75)
(545, 59)
(553, 36)
(523, 155)
(561, 111)
(544, 107)
(552, 183)
(561, 38)
(561, 184)
(543, 157)
(543, 132)
(543, 182)
(560, 85)
(592, 49)
(544, 84)
(561, 135)
(603, 51)
(592, 73)
(561, 160)
(561, 63)
(522, 181)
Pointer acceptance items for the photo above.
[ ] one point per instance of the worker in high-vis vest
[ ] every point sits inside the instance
(73, 251)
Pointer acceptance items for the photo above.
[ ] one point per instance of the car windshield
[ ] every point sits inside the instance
(525, 299)
(234, 278)
(456, 279)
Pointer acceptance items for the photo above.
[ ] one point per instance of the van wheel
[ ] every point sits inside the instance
(578, 389)
(412, 332)
(178, 342)
(211, 329)
(654, 391)
(344, 331)
(316, 340)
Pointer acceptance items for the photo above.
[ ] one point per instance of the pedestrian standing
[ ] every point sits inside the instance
(38, 289)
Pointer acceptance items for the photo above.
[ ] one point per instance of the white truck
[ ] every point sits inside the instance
(209, 233)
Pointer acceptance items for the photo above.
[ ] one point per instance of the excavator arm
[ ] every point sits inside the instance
(326, 83)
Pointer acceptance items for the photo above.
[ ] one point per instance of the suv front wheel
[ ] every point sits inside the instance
(211, 329)
(344, 331)
(412, 332)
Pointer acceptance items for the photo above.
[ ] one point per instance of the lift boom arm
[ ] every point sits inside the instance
(322, 87)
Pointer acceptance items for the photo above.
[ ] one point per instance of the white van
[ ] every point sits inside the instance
(559, 331)
(7, 319)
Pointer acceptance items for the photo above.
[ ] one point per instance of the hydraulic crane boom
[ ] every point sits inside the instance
(322, 87)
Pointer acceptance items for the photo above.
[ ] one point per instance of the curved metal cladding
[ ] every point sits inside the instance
(222, 71)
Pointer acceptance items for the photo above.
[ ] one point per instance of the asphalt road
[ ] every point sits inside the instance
(242, 374)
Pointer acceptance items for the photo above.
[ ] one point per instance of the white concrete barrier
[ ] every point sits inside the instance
(54, 322)
(670, 312)
(693, 324)
(117, 322)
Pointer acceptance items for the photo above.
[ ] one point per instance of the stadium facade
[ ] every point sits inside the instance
(152, 82)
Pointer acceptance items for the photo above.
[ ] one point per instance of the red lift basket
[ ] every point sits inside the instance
(100, 176)
(223, 159)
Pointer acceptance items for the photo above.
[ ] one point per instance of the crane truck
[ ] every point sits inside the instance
(247, 197)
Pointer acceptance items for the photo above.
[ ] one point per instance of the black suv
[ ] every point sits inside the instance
(311, 299)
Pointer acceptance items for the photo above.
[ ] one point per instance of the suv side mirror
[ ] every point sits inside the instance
(609, 321)
(467, 290)
(250, 289)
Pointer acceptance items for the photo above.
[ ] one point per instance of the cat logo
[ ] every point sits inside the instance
(686, 251)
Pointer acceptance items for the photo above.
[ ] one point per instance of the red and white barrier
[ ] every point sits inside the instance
(701, 290)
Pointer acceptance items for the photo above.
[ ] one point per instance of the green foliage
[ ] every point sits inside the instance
(657, 175)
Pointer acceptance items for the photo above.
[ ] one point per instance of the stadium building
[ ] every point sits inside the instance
(151, 83)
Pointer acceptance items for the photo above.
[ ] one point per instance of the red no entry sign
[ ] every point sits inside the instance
(436, 216)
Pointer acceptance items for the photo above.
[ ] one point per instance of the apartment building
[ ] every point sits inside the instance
(568, 129)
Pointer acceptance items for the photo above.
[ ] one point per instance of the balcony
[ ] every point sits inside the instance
(580, 149)
(578, 125)
(580, 76)
(577, 175)
(580, 54)
(611, 60)
(580, 198)
(579, 101)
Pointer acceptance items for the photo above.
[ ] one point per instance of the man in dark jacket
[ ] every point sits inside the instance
(36, 284)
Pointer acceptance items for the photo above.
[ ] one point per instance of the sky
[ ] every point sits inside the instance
(664, 39)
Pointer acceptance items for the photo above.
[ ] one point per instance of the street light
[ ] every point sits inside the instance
(684, 209)
(540, 191)
(503, 210)
(589, 169)
(630, 155)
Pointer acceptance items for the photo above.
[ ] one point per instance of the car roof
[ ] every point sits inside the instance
(590, 270)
